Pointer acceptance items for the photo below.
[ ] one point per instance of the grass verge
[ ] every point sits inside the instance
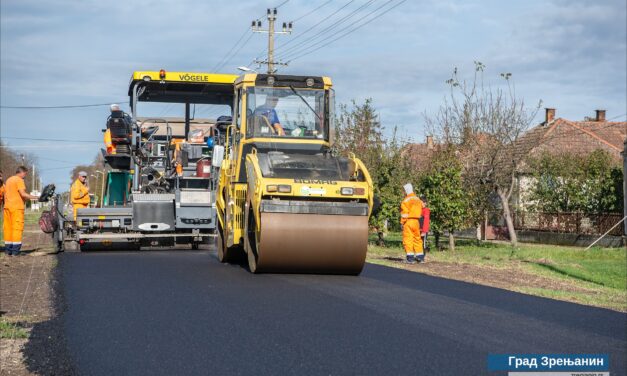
(11, 330)
(596, 277)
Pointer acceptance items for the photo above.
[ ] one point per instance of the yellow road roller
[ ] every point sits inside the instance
(285, 202)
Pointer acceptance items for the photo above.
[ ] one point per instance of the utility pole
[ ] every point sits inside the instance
(287, 29)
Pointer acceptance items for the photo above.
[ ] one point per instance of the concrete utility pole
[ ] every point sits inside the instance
(287, 29)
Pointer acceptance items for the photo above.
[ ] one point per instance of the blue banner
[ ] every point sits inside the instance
(548, 362)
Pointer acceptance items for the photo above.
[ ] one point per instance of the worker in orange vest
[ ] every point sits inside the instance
(411, 212)
(79, 192)
(14, 197)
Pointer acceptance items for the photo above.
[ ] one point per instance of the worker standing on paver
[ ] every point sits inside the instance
(79, 192)
(411, 211)
(14, 197)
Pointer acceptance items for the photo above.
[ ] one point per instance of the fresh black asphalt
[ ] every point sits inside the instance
(184, 313)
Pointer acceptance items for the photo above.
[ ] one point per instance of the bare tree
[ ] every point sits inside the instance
(485, 124)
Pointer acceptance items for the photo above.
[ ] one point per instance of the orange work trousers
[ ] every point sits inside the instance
(412, 241)
(13, 226)
(78, 206)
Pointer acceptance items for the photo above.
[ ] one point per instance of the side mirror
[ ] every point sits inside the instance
(218, 156)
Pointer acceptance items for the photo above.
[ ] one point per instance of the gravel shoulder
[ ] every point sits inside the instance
(31, 334)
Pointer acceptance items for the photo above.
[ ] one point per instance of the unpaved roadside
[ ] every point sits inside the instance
(31, 340)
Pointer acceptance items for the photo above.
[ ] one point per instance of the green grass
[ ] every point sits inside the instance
(11, 330)
(603, 270)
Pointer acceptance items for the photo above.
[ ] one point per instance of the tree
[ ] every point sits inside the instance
(10, 160)
(589, 184)
(446, 195)
(485, 123)
(359, 131)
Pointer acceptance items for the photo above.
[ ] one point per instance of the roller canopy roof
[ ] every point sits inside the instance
(183, 87)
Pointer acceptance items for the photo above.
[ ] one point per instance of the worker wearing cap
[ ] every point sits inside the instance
(14, 197)
(411, 211)
(267, 110)
(79, 192)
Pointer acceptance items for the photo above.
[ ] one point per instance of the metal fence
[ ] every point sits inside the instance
(574, 223)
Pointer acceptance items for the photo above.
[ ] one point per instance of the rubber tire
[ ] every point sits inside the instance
(251, 253)
(230, 255)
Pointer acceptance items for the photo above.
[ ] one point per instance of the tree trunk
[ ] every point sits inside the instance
(507, 214)
(451, 241)
(437, 241)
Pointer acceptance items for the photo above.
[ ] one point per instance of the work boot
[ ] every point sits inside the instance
(8, 249)
(410, 259)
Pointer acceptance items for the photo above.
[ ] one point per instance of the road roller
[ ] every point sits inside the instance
(285, 202)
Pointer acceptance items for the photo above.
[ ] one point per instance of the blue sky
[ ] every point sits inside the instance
(570, 54)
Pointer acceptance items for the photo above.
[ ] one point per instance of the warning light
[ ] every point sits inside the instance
(162, 74)
(81, 242)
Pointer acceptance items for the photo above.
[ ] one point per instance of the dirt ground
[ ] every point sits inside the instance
(32, 342)
(510, 278)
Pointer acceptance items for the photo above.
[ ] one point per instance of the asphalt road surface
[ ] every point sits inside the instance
(184, 313)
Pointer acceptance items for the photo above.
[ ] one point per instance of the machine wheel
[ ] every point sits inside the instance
(250, 243)
(231, 255)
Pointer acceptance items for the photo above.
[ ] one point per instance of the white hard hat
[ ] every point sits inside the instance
(408, 188)
(115, 107)
(82, 173)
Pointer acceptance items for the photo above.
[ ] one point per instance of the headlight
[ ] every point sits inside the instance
(347, 191)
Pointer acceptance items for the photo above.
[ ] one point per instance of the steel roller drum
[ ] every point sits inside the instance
(312, 243)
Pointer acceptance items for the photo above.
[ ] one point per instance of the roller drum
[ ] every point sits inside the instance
(312, 243)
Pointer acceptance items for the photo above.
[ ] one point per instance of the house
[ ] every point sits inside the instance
(562, 136)
(558, 135)
(420, 154)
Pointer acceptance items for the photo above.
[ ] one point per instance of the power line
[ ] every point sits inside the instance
(311, 11)
(66, 106)
(318, 23)
(260, 54)
(295, 50)
(237, 51)
(616, 117)
(227, 55)
(309, 50)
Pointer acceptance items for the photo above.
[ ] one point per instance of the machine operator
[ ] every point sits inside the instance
(267, 110)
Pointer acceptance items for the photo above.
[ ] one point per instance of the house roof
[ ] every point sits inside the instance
(419, 154)
(578, 137)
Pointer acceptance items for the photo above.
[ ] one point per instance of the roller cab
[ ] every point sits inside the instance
(285, 202)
